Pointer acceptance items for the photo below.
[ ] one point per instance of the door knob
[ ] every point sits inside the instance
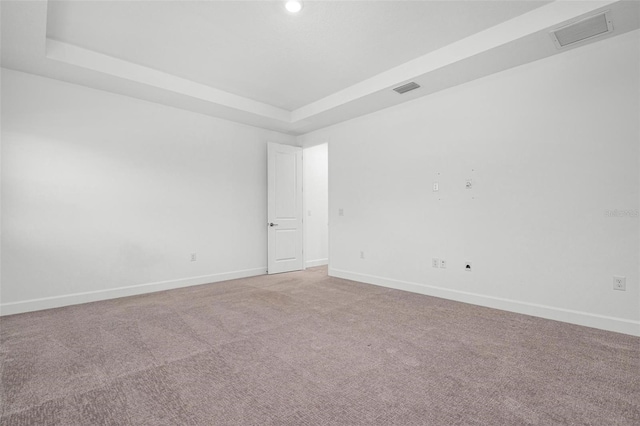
(273, 224)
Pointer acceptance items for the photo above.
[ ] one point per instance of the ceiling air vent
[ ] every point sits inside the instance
(582, 30)
(407, 87)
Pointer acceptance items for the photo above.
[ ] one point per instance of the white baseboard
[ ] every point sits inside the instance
(113, 293)
(317, 262)
(602, 322)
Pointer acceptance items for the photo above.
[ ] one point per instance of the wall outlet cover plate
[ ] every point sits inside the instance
(620, 283)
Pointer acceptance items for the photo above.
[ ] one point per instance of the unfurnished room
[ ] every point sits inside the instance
(319, 212)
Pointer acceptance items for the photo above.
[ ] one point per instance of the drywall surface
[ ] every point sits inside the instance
(552, 151)
(105, 195)
(316, 199)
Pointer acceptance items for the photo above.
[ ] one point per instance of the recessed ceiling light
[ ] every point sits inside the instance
(293, 6)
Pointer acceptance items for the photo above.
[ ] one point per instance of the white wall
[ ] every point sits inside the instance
(316, 199)
(550, 146)
(105, 195)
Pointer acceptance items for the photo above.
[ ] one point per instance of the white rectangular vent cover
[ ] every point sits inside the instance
(407, 87)
(582, 30)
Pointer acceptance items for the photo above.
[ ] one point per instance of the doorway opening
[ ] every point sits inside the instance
(297, 207)
(316, 205)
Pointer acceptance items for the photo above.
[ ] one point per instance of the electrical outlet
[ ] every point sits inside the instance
(620, 283)
(435, 262)
(467, 266)
(340, 212)
(361, 255)
(194, 257)
(436, 186)
(443, 263)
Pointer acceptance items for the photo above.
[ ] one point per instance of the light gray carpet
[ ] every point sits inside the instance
(306, 349)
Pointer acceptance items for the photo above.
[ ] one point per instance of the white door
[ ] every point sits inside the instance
(284, 208)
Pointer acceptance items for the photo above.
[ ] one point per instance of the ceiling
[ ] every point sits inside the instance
(254, 63)
(256, 50)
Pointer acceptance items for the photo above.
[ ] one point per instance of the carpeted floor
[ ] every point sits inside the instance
(305, 349)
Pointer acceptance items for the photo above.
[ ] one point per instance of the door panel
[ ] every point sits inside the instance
(284, 208)
(285, 185)
(286, 246)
